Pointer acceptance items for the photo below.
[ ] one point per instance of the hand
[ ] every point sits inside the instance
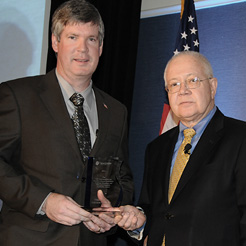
(105, 203)
(64, 210)
(131, 218)
(104, 221)
(145, 241)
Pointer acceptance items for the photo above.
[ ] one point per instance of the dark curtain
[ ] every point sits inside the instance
(116, 70)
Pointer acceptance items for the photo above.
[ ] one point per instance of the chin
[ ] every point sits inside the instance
(186, 116)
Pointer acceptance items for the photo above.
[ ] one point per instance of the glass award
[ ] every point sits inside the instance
(102, 174)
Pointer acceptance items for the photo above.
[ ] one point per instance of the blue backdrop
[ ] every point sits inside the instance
(222, 35)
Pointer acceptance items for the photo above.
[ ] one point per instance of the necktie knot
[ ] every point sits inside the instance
(77, 99)
(189, 133)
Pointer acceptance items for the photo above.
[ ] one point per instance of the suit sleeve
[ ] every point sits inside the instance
(144, 199)
(17, 190)
(240, 186)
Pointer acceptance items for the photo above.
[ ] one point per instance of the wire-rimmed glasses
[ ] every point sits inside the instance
(190, 83)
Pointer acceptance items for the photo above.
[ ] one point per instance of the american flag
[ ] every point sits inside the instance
(187, 39)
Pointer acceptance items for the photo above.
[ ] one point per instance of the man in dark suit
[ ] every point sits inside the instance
(42, 171)
(208, 205)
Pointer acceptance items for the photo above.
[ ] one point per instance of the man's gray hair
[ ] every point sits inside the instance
(74, 12)
(204, 61)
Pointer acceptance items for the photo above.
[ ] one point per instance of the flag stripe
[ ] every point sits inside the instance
(165, 112)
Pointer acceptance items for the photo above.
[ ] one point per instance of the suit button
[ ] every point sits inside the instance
(169, 216)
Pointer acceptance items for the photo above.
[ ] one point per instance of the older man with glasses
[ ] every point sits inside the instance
(194, 185)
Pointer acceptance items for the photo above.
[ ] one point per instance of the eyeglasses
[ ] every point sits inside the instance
(190, 83)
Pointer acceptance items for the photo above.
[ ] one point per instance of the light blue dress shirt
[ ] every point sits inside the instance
(199, 128)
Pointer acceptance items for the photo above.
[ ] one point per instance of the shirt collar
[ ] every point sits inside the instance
(201, 125)
(68, 90)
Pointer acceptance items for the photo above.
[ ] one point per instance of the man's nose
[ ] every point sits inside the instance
(183, 87)
(82, 46)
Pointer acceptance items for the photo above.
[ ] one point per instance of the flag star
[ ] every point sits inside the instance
(196, 43)
(193, 30)
(190, 19)
(184, 35)
(186, 47)
(176, 52)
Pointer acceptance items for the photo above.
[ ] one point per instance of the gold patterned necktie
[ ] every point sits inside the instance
(81, 126)
(179, 165)
(181, 161)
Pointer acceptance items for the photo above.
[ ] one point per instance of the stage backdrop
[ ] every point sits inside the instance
(23, 38)
(222, 35)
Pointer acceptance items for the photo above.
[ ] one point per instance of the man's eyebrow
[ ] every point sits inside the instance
(73, 34)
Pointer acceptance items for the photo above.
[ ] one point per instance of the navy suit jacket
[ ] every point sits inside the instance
(209, 205)
(39, 154)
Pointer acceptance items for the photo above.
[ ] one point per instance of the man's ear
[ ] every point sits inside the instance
(101, 49)
(54, 43)
(213, 86)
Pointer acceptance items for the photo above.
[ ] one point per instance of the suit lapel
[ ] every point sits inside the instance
(103, 111)
(167, 158)
(203, 151)
(51, 95)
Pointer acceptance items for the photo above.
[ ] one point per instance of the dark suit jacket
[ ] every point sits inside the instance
(39, 154)
(208, 207)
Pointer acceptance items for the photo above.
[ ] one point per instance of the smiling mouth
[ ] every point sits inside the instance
(81, 60)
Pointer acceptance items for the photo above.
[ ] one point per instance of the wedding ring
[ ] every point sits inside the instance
(99, 230)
